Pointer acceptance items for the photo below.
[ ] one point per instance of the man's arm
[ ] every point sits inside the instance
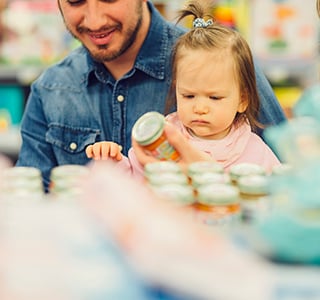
(271, 113)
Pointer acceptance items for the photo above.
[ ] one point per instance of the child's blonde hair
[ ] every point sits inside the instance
(218, 37)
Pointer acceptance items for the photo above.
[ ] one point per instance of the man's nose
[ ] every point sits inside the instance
(94, 16)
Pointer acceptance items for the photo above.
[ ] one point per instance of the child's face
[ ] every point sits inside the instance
(208, 95)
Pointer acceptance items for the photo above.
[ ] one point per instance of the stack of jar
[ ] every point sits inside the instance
(22, 183)
(167, 180)
(216, 197)
(66, 181)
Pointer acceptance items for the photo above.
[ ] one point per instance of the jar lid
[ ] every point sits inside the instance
(165, 166)
(148, 128)
(65, 171)
(218, 194)
(253, 185)
(208, 177)
(204, 166)
(177, 193)
(244, 169)
(166, 178)
(21, 181)
(22, 172)
(282, 169)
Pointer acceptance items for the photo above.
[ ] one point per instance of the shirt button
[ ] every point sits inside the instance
(73, 146)
(120, 98)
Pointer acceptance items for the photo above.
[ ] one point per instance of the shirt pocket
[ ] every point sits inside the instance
(72, 140)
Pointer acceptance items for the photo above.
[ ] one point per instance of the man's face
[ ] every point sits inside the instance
(106, 28)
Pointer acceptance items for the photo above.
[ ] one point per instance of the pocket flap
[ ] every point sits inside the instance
(71, 139)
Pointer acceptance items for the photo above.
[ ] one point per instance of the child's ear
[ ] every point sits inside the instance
(243, 104)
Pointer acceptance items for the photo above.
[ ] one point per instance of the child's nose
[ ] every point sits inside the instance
(200, 107)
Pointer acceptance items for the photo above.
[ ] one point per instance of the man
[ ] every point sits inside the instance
(99, 90)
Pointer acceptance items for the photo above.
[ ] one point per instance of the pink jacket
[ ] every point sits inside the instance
(240, 145)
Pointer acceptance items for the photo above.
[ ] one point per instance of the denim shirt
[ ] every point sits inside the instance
(77, 101)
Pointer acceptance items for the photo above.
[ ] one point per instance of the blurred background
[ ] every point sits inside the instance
(283, 34)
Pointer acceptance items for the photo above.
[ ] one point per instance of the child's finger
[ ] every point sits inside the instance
(96, 151)
(105, 150)
(119, 154)
(115, 151)
(89, 151)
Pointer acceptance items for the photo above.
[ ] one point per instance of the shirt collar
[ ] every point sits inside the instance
(153, 53)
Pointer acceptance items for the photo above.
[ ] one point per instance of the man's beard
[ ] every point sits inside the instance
(130, 38)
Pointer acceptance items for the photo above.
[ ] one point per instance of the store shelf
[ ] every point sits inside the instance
(22, 75)
(10, 142)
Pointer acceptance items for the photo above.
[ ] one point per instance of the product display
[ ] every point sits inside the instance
(181, 233)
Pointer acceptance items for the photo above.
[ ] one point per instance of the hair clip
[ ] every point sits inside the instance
(201, 23)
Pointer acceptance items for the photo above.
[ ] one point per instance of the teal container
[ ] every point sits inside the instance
(12, 102)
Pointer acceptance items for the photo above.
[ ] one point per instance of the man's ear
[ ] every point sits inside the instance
(243, 104)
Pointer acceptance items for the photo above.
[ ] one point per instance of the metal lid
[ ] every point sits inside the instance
(65, 171)
(253, 185)
(208, 177)
(218, 194)
(148, 128)
(244, 169)
(282, 169)
(162, 167)
(167, 177)
(204, 166)
(177, 193)
(21, 172)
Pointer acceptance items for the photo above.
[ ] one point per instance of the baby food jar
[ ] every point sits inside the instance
(209, 178)
(158, 179)
(160, 167)
(201, 167)
(179, 194)
(148, 131)
(217, 204)
(253, 194)
(244, 169)
(20, 182)
(66, 180)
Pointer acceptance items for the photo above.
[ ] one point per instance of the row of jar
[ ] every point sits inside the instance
(214, 197)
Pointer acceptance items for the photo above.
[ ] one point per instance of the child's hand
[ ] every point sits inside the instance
(104, 150)
(188, 152)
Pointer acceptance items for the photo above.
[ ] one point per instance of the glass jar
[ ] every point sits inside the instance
(21, 182)
(200, 167)
(175, 193)
(161, 167)
(253, 194)
(217, 204)
(282, 169)
(159, 179)
(209, 178)
(65, 180)
(245, 169)
(148, 131)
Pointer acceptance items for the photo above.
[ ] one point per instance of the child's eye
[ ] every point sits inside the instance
(75, 2)
(216, 97)
(187, 96)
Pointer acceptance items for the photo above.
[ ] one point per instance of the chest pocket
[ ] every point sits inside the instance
(73, 140)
